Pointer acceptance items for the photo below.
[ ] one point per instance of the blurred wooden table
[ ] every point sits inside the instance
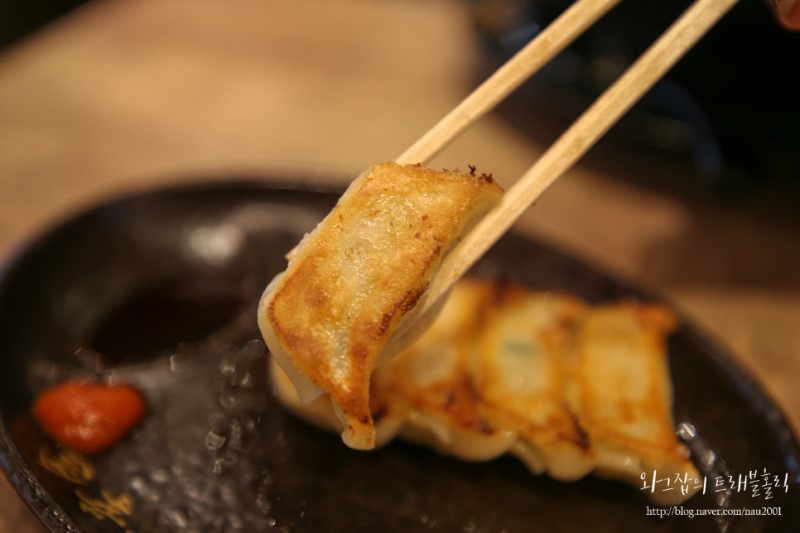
(125, 96)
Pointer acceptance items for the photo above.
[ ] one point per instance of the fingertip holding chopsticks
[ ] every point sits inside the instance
(681, 36)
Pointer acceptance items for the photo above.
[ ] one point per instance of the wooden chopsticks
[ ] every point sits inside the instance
(573, 22)
(577, 139)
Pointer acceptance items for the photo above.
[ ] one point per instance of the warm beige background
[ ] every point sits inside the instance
(129, 95)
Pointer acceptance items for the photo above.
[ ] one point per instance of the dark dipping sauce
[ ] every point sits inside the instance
(161, 317)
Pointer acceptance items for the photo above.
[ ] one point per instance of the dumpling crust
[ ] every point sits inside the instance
(361, 271)
(567, 387)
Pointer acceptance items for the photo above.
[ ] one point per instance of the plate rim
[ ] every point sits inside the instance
(32, 491)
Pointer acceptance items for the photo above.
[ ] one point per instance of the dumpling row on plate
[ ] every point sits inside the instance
(566, 387)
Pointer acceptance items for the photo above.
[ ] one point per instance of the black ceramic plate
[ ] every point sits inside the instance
(160, 289)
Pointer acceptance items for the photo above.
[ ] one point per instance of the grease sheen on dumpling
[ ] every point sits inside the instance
(353, 284)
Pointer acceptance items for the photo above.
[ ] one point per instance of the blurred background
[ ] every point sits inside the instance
(694, 193)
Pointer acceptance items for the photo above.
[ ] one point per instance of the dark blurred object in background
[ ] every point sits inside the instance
(18, 19)
(731, 107)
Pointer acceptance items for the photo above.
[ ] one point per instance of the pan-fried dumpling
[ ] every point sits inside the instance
(521, 370)
(490, 377)
(566, 387)
(351, 287)
(430, 385)
(622, 392)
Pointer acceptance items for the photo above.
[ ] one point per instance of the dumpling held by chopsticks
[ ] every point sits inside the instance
(354, 285)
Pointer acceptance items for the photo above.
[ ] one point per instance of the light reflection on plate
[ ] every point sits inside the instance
(217, 454)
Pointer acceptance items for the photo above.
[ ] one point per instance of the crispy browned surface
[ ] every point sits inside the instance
(567, 387)
(496, 361)
(433, 375)
(583, 388)
(362, 270)
(522, 373)
(623, 391)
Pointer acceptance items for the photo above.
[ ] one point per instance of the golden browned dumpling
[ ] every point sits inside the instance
(521, 371)
(622, 392)
(566, 387)
(353, 282)
(430, 385)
